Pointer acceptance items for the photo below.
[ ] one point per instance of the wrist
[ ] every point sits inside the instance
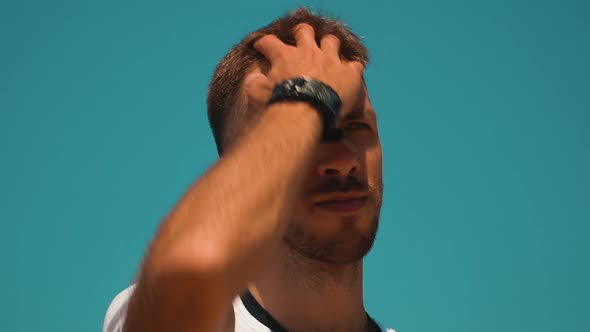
(316, 94)
(296, 114)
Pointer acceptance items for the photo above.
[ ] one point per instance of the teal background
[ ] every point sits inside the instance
(484, 114)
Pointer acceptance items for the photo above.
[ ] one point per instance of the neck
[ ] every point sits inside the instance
(307, 295)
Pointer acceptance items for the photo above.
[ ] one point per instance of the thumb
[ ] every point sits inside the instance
(258, 90)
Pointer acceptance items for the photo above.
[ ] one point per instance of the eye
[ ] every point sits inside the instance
(358, 126)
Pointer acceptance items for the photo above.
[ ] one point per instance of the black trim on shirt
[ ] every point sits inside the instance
(261, 315)
(264, 317)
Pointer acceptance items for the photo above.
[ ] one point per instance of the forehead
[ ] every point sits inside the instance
(364, 110)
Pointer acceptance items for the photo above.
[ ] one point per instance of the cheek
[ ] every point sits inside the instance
(374, 158)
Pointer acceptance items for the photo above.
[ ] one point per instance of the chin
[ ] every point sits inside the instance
(342, 239)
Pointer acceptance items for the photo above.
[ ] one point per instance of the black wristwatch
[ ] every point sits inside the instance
(319, 95)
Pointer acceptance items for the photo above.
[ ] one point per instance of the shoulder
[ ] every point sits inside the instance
(115, 316)
(383, 328)
(117, 311)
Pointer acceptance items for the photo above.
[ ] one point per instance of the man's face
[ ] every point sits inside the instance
(337, 214)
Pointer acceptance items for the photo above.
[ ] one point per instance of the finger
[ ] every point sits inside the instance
(258, 89)
(358, 66)
(330, 44)
(270, 46)
(305, 36)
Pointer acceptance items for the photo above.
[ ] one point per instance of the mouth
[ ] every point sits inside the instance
(342, 205)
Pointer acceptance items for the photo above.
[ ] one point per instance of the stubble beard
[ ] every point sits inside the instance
(302, 242)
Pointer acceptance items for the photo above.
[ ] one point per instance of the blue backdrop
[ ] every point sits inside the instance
(484, 116)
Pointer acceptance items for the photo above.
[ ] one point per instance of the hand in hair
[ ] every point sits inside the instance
(258, 89)
(321, 62)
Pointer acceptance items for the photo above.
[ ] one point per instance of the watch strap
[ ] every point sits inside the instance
(319, 95)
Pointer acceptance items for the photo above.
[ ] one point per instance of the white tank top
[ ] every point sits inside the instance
(245, 320)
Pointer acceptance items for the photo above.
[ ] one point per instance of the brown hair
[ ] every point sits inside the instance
(225, 87)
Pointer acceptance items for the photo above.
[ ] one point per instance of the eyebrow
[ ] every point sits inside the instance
(360, 113)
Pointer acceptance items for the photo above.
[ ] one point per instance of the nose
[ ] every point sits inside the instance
(339, 159)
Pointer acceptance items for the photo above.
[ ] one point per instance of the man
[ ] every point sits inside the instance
(272, 236)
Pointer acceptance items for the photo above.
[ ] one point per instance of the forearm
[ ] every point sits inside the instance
(227, 223)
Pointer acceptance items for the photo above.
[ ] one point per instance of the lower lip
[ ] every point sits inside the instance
(347, 206)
